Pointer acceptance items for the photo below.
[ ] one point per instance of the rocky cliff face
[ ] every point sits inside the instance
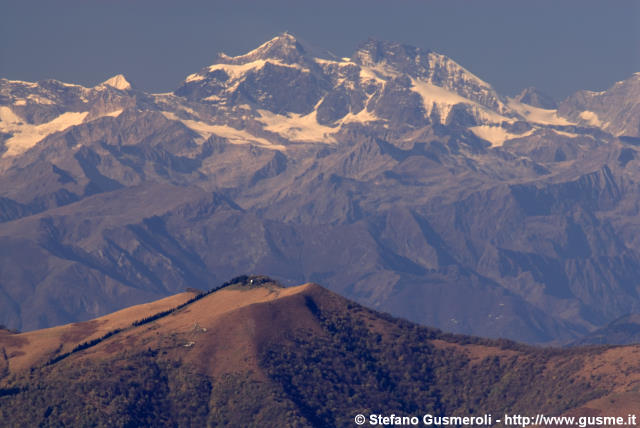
(395, 176)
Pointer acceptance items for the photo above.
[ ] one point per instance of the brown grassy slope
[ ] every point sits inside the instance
(221, 333)
(26, 350)
(246, 355)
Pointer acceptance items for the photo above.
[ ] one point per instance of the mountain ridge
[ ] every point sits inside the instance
(284, 349)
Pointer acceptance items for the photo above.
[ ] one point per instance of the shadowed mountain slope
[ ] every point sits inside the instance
(623, 331)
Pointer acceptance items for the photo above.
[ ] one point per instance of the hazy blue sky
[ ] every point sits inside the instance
(558, 46)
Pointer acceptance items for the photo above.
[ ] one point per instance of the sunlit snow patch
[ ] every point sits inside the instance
(496, 135)
(591, 117)
(566, 134)
(26, 135)
(115, 113)
(538, 115)
(295, 127)
(444, 100)
(233, 135)
(363, 116)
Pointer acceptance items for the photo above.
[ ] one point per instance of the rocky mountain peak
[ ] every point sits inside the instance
(616, 110)
(536, 98)
(392, 59)
(372, 52)
(415, 62)
(255, 77)
(395, 58)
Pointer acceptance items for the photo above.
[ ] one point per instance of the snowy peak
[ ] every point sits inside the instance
(286, 91)
(117, 82)
(285, 48)
(415, 62)
(286, 58)
(428, 67)
(303, 94)
(282, 76)
(30, 112)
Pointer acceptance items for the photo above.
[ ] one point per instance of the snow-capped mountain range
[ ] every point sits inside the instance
(286, 92)
(395, 177)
